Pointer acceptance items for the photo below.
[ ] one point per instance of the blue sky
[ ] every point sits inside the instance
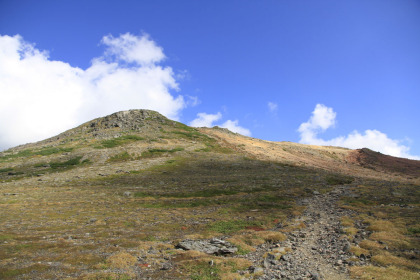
(321, 72)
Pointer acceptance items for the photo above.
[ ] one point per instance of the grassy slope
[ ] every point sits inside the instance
(88, 207)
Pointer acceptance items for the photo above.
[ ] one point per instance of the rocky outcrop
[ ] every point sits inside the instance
(126, 120)
(212, 247)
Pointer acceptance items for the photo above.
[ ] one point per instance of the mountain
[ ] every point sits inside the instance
(134, 195)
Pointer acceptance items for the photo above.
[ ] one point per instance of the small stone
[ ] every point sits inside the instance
(266, 263)
(314, 276)
(270, 256)
(166, 266)
(285, 258)
(256, 270)
(346, 247)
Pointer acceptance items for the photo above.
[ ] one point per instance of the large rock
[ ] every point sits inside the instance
(212, 247)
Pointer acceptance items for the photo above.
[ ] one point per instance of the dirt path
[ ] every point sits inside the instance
(317, 250)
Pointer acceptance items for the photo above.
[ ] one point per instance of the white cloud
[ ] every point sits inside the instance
(208, 120)
(234, 126)
(272, 107)
(40, 97)
(129, 48)
(323, 118)
(205, 120)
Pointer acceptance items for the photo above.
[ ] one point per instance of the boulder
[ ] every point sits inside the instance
(212, 247)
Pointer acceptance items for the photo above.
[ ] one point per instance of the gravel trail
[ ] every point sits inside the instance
(317, 252)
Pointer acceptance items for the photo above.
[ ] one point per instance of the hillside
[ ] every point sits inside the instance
(134, 195)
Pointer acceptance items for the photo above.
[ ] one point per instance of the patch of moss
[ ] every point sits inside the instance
(4, 170)
(119, 141)
(338, 179)
(66, 164)
(231, 226)
(124, 156)
(157, 152)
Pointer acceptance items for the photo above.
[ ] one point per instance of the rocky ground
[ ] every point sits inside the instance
(318, 251)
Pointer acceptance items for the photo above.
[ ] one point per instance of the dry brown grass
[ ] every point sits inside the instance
(102, 275)
(382, 273)
(386, 259)
(191, 255)
(271, 236)
(203, 266)
(346, 221)
(393, 239)
(350, 231)
(121, 260)
(231, 276)
(293, 227)
(358, 251)
(370, 245)
(243, 241)
(382, 225)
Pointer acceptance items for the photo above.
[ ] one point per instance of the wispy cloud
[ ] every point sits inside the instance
(272, 107)
(324, 117)
(208, 120)
(192, 100)
(40, 97)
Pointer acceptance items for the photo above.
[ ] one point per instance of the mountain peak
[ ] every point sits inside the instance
(127, 120)
(113, 125)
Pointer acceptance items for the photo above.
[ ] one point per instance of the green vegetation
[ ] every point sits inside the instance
(265, 201)
(171, 204)
(45, 151)
(119, 141)
(204, 271)
(414, 230)
(338, 179)
(210, 192)
(4, 170)
(231, 226)
(124, 156)
(158, 152)
(241, 251)
(66, 164)
(54, 150)
(188, 135)
(4, 237)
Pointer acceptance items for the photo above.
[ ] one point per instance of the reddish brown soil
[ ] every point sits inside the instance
(380, 162)
(362, 163)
